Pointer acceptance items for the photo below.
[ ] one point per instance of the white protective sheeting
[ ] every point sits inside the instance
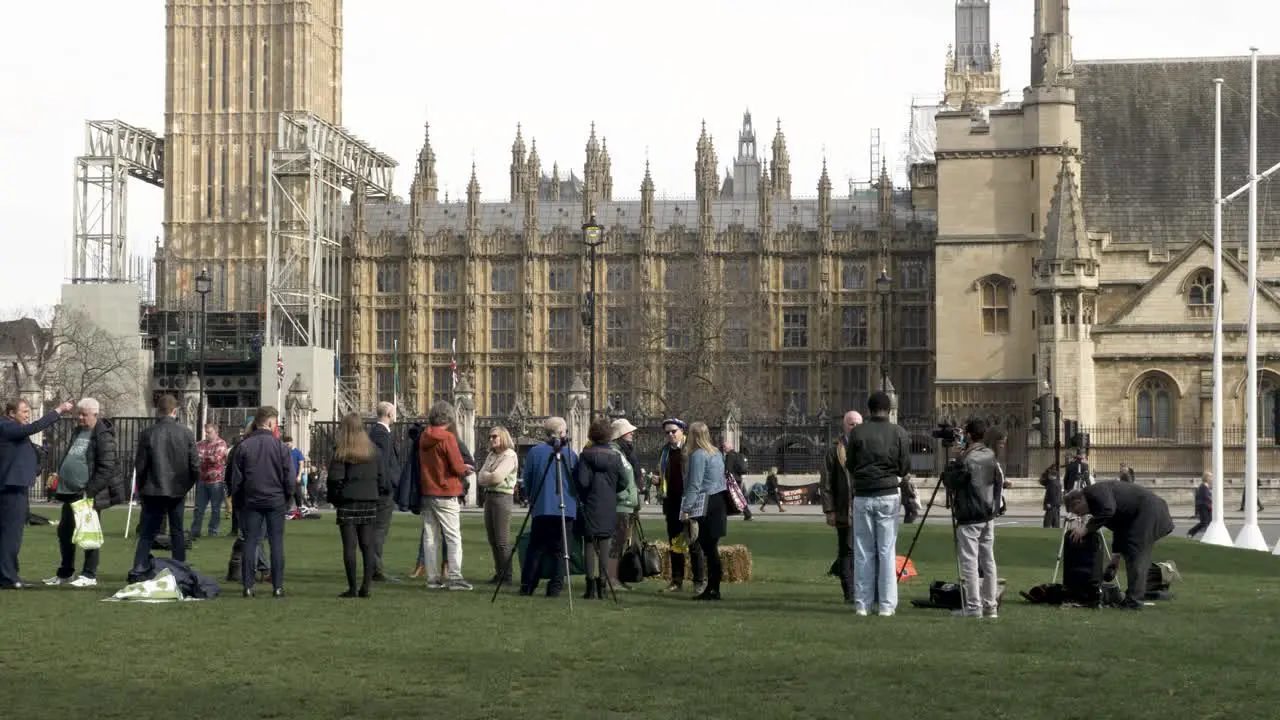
(922, 138)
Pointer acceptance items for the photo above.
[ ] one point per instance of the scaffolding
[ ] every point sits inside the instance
(312, 164)
(113, 152)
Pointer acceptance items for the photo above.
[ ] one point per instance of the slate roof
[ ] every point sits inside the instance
(19, 333)
(1147, 134)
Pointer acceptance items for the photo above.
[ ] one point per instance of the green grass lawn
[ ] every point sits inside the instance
(783, 646)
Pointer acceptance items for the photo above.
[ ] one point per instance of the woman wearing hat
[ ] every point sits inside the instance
(628, 499)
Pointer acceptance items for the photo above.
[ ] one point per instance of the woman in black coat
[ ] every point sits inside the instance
(355, 476)
(597, 478)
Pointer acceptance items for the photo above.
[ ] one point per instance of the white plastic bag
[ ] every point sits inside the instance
(88, 532)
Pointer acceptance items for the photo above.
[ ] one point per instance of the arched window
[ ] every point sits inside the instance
(994, 293)
(1155, 408)
(1267, 387)
(1200, 294)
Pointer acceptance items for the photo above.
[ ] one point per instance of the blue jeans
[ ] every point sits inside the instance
(875, 549)
(208, 496)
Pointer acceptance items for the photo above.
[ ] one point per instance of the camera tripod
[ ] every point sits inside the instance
(1062, 547)
(924, 518)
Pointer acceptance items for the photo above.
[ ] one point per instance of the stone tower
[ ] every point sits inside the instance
(1066, 291)
(233, 66)
(781, 165)
(746, 166)
(519, 168)
(973, 66)
(425, 187)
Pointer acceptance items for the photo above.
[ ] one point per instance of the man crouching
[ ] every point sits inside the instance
(975, 482)
(1136, 517)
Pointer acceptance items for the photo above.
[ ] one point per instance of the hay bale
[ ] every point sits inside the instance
(736, 560)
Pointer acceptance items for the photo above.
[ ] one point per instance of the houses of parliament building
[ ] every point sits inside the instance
(744, 293)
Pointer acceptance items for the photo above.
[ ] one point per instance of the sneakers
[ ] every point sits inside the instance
(435, 585)
(459, 585)
(860, 612)
(84, 582)
(699, 588)
(886, 613)
(673, 588)
(55, 580)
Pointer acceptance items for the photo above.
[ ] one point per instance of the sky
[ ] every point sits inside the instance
(646, 73)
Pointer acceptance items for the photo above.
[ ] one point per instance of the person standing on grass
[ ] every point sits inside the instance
(546, 493)
(497, 480)
(356, 476)
(602, 472)
(296, 462)
(389, 457)
(212, 490)
(705, 504)
(671, 469)
(167, 466)
(975, 482)
(879, 456)
(735, 466)
(87, 470)
(442, 469)
(18, 467)
(628, 500)
(261, 485)
(1204, 505)
(837, 501)
(1137, 519)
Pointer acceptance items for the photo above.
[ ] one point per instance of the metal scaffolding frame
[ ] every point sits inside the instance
(113, 152)
(312, 164)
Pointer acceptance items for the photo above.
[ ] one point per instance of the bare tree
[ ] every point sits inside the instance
(71, 356)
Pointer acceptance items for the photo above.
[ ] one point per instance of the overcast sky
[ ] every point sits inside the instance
(646, 73)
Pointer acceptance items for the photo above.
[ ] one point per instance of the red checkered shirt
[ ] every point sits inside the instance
(213, 460)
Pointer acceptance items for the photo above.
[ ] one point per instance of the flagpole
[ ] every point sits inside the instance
(279, 376)
(1217, 532)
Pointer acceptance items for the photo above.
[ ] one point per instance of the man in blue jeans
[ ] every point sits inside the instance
(211, 491)
(878, 456)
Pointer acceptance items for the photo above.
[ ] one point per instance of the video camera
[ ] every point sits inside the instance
(558, 443)
(949, 435)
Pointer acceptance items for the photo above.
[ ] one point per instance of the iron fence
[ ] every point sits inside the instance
(1181, 435)
(55, 441)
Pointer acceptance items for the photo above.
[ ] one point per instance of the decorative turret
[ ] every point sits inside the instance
(824, 197)
(593, 178)
(555, 181)
(706, 176)
(765, 197)
(473, 199)
(1051, 59)
(646, 198)
(532, 174)
(885, 197)
(519, 173)
(781, 165)
(606, 171)
(424, 188)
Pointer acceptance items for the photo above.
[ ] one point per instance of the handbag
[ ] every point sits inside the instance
(88, 532)
(631, 562)
(333, 486)
(650, 560)
(737, 501)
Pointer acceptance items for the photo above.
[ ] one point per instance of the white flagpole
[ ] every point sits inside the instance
(133, 488)
(1217, 533)
(279, 380)
(1250, 536)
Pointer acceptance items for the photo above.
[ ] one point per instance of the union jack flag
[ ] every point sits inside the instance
(279, 368)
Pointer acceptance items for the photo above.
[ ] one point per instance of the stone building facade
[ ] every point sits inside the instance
(1075, 230)
(744, 293)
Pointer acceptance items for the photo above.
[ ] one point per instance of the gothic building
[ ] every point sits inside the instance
(745, 292)
(1075, 228)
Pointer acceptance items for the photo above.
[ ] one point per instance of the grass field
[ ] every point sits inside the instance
(783, 646)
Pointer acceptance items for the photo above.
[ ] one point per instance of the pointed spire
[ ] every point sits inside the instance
(1065, 234)
(473, 184)
(517, 147)
(593, 145)
(825, 179)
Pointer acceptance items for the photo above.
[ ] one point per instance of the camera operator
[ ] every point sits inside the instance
(879, 456)
(975, 480)
(1078, 476)
(549, 524)
(1137, 518)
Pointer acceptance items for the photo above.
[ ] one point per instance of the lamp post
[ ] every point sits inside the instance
(884, 287)
(204, 283)
(592, 237)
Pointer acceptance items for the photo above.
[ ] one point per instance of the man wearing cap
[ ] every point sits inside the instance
(623, 440)
(671, 474)
(837, 501)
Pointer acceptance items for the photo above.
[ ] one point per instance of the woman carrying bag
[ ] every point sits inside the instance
(355, 476)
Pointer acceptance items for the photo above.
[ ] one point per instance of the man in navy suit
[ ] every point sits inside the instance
(18, 468)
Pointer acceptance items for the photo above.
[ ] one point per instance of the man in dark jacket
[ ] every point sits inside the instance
(389, 459)
(88, 469)
(837, 501)
(1078, 475)
(974, 481)
(879, 456)
(18, 469)
(671, 467)
(1136, 517)
(735, 464)
(167, 466)
(261, 485)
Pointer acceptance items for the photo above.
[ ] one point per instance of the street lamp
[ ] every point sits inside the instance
(884, 287)
(204, 283)
(593, 237)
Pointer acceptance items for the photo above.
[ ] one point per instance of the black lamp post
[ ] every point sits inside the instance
(204, 283)
(884, 287)
(593, 237)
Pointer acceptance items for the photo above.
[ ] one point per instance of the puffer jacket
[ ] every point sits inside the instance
(597, 478)
(106, 484)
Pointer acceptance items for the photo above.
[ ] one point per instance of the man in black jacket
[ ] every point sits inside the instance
(88, 469)
(837, 501)
(167, 466)
(735, 464)
(879, 456)
(1078, 476)
(389, 458)
(261, 485)
(1136, 517)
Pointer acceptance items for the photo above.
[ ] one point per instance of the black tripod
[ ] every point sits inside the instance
(955, 542)
(556, 461)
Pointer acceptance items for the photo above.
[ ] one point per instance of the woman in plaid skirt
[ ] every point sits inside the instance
(355, 476)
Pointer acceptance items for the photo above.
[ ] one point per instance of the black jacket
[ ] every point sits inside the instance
(358, 481)
(167, 464)
(261, 473)
(106, 485)
(629, 452)
(837, 496)
(409, 492)
(735, 463)
(388, 459)
(879, 455)
(1077, 475)
(598, 478)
